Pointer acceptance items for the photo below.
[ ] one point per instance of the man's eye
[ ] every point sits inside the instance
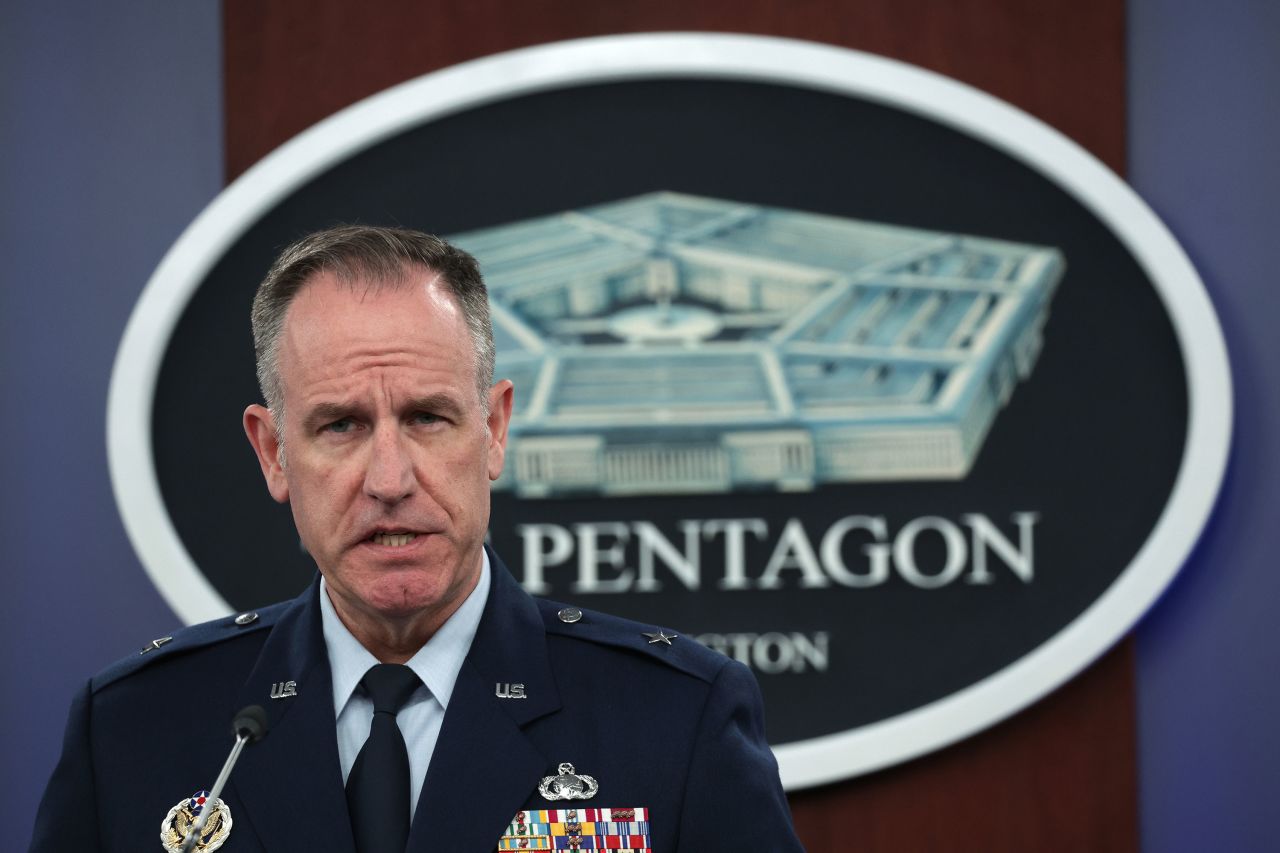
(424, 418)
(340, 426)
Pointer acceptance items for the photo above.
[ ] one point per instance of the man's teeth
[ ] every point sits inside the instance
(395, 540)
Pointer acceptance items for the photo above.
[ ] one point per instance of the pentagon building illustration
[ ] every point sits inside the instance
(671, 344)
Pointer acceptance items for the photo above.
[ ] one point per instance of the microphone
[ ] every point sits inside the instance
(250, 722)
(249, 726)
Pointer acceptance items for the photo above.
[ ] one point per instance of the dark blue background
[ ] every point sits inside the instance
(110, 131)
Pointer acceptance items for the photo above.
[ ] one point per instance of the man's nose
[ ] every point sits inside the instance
(389, 477)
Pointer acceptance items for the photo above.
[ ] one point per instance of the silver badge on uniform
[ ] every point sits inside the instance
(568, 785)
(180, 820)
(284, 689)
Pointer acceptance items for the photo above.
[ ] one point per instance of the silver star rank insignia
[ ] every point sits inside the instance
(659, 636)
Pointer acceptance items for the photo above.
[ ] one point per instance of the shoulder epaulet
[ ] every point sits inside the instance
(653, 641)
(189, 638)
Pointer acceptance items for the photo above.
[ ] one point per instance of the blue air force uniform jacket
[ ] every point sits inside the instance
(676, 730)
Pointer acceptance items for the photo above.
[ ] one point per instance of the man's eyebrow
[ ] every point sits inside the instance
(325, 413)
(443, 404)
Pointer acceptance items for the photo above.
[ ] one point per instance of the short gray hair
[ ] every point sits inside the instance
(379, 256)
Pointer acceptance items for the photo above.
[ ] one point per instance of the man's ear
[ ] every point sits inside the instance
(500, 397)
(260, 427)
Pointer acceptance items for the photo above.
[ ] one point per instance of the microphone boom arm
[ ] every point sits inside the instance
(249, 725)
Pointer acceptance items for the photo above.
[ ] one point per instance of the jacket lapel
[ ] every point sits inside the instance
(484, 766)
(290, 782)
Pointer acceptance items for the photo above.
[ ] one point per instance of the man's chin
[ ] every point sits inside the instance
(396, 599)
(394, 591)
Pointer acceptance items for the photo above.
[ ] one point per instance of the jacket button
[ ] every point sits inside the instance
(246, 619)
(570, 614)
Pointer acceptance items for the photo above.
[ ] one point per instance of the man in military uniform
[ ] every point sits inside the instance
(416, 698)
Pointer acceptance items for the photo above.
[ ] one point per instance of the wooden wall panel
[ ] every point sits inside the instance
(1061, 776)
(290, 63)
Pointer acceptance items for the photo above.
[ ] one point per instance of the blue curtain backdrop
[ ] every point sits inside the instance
(1203, 135)
(110, 131)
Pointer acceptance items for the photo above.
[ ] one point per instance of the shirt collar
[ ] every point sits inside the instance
(437, 663)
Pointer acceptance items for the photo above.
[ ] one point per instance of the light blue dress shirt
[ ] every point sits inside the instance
(437, 664)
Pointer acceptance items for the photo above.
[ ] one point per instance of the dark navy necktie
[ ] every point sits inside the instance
(378, 787)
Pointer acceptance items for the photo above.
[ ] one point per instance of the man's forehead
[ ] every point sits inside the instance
(418, 304)
(332, 320)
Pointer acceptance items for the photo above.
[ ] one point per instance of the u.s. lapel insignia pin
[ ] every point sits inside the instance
(284, 689)
(568, 785)
(507, 690)
(181, 819)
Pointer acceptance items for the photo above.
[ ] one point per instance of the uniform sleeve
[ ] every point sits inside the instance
(68, 815)
(733, 796)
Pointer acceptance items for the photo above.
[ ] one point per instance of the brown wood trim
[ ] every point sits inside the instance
(290, 63)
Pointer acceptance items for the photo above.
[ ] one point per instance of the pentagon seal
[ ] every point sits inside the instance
(181, 820)
(567, 785)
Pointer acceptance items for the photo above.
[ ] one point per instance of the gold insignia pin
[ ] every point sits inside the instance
(181, 820)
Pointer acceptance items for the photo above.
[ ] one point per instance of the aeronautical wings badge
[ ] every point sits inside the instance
(568, 785)
(181, 819)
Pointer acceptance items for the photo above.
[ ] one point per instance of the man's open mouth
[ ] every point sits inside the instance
(395, 540)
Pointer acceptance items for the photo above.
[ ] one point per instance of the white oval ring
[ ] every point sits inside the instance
(746, 58)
